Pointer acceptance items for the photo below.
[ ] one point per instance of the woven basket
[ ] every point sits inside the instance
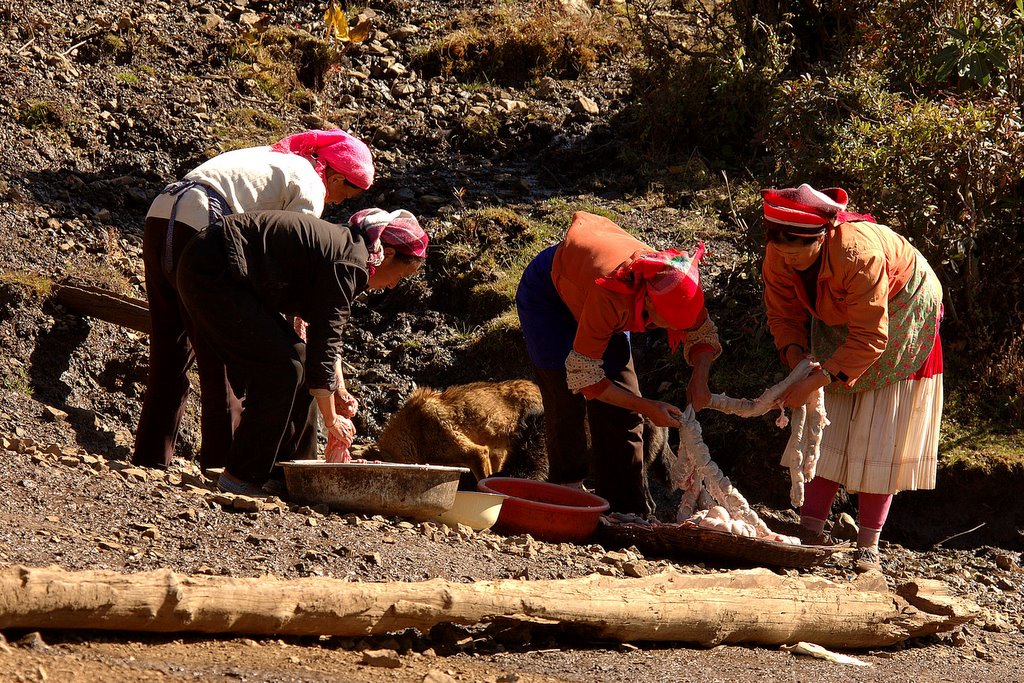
(686, 540)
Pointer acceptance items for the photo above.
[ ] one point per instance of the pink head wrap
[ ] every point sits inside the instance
(805, 211)
(344, 153)
(670, 279)
(399, 230)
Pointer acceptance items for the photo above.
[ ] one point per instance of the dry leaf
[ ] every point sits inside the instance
(360, 32)
(336, 22)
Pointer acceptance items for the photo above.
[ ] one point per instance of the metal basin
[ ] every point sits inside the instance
(386, 488)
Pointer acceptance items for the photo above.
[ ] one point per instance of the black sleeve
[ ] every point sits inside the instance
(335, 286)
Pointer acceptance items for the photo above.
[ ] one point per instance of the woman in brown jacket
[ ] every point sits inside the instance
(874, 307)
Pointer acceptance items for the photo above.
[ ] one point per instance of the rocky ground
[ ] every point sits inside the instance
(104, 101)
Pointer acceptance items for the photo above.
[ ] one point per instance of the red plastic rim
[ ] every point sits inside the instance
(545, 496)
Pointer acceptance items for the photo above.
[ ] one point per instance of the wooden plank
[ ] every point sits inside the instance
(105, 305)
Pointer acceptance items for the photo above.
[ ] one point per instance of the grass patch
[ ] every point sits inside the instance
(128, 78)
(38, 114)
(285, 63)
(560, 212)
(41, 286)
(498, 351)
(513, 43)
(244, 127)
(111, 43)
(972, 438)
(100, 274)
(16, 379)
(480, 258)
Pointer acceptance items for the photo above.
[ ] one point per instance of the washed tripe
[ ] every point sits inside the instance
(697, 475)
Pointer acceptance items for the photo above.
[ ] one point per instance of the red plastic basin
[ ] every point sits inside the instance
(548, 512)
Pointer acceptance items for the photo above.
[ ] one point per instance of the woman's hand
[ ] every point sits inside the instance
(345, 403)
(800, 393)
(662, 414)
(343, 430)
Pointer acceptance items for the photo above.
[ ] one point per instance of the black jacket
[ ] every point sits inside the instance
(305, 266)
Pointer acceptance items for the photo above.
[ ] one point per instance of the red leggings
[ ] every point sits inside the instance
(872, 508)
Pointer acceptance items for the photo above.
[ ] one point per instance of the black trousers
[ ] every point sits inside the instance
(172, 348)
(616, 437)
(264, 357)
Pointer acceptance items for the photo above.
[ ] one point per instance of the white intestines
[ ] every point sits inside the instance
(695, 470)
(793, 457)
(697, 475)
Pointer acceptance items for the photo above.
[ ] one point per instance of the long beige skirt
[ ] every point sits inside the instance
(885, 440)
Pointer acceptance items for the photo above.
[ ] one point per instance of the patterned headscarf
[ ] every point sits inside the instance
(806, 212)
(398, 229)
(670, 279)
(344, 153)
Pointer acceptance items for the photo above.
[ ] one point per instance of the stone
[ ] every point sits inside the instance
(586, 105)
(54, 414)
(404, 31)
(211, 22)
(1006, 562)
(636, 570)
(387, 659)
(403, 90)
(32, 641)
(845, 528)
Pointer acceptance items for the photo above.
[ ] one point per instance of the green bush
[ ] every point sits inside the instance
(925, 48)
(704, 79)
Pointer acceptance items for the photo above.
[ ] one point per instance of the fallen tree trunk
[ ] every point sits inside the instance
(754, 606)
(105, 305)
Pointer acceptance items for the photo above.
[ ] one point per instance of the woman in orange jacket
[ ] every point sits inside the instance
(578, 302)
(874, 307)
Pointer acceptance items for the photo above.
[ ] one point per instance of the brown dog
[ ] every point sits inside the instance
(489, 427)
(493, 428)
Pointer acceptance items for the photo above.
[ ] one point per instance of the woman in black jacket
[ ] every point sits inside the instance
(238, 280)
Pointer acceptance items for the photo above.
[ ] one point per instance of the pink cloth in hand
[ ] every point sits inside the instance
(300, 326)
(337, 450)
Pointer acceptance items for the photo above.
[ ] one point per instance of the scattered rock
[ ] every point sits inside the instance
(387, 659)
(404, 31)
(54, 414)
(32, 641)
(586, 105)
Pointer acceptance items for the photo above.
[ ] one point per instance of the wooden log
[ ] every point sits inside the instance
(753, 606)
(105, 305)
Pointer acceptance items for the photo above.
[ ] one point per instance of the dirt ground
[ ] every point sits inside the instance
(112, 516)
(102, 102)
